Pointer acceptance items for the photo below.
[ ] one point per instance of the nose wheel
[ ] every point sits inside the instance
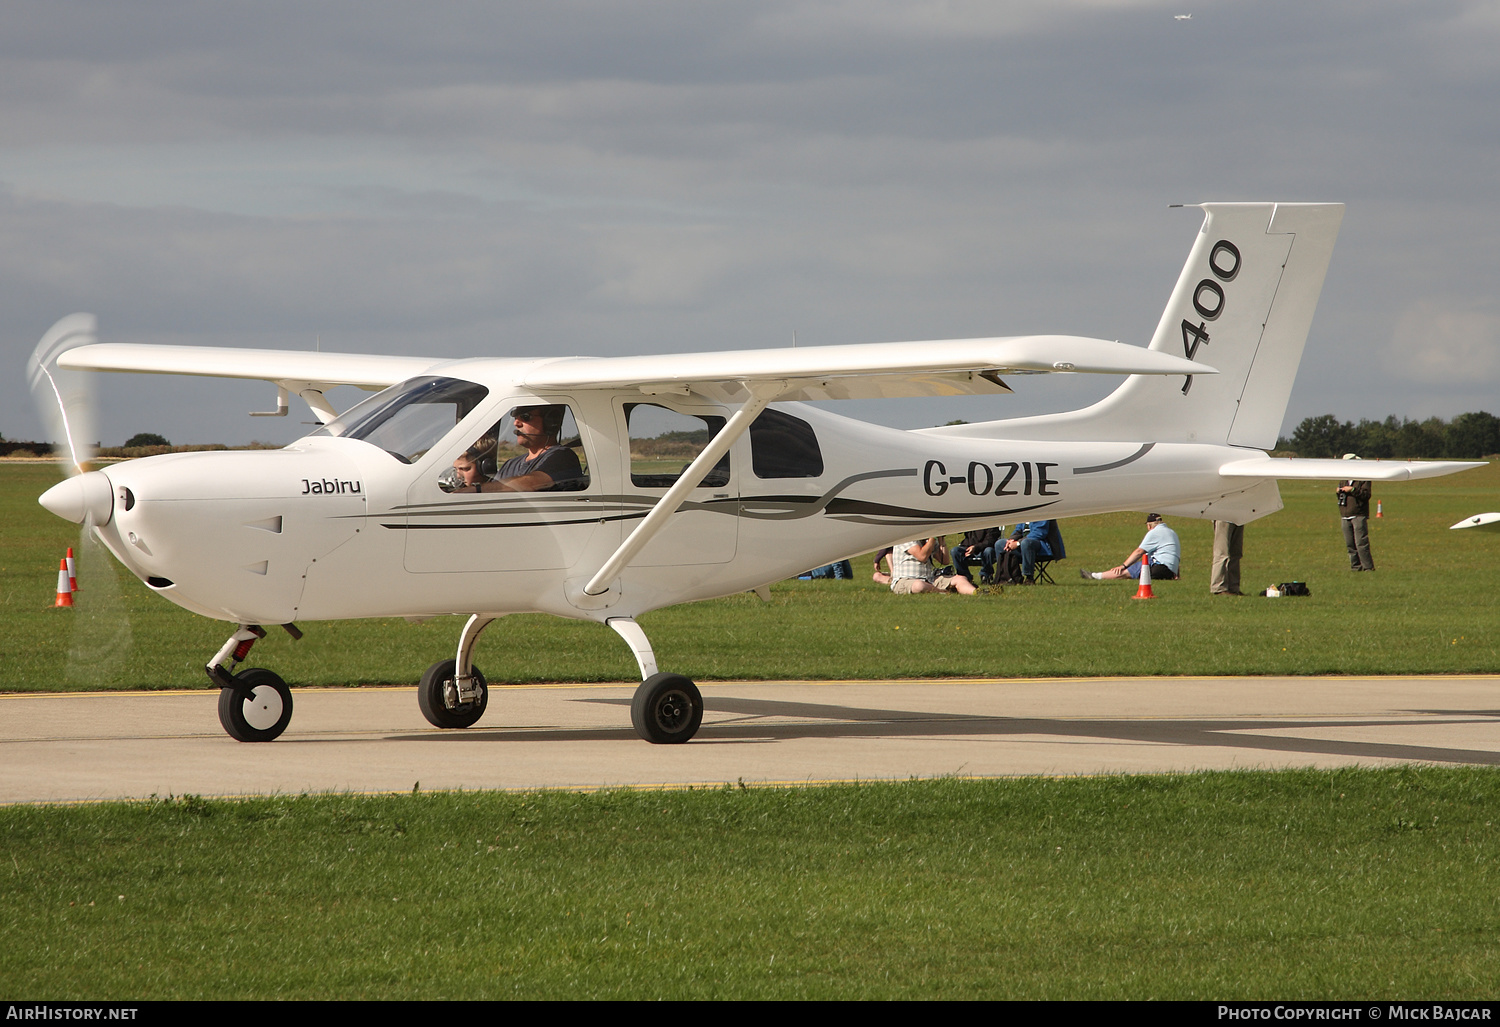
(256, 706)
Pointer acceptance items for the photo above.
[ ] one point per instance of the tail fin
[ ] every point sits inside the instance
(1243, 305)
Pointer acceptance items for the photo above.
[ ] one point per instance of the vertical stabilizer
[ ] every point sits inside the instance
(1243, 305)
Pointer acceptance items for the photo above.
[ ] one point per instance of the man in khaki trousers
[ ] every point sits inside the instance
(1224, 571)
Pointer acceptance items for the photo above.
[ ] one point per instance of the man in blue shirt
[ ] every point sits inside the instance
(1161, 546)
(1030, 540)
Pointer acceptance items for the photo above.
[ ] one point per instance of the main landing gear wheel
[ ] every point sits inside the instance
(437, 694)
(257, 707)
(667, 709)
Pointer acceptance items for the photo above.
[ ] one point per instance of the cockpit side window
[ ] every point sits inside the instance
(407, 420)
(535, 447)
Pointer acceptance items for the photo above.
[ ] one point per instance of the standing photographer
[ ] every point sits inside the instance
(1354, 510)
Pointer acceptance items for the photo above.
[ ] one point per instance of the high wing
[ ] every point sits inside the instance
(365, 370)
(871, 371)
(880, 370)
(306, 374)
(1344, 470)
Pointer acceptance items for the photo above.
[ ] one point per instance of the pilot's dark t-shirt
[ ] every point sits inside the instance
(557, 462)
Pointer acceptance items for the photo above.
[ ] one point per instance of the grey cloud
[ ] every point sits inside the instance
(587, 177)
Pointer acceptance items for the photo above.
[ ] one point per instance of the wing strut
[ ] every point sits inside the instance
(762, 393)
(321, 408)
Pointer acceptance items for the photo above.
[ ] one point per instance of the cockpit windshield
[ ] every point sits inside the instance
(406, 420)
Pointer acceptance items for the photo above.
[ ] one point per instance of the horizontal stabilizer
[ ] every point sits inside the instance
(872, 370)
(1345, 470)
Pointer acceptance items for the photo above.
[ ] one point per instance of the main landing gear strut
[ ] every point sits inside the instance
(255, 705)
(453, 693)
(666, 709)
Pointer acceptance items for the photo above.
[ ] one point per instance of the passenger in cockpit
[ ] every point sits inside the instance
(469, 465)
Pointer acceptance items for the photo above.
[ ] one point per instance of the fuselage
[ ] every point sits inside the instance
(338, 527)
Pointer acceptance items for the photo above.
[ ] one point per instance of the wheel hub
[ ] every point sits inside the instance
(672, 711)
(262, 707)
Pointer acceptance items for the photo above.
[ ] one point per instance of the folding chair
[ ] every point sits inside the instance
(1059, 552)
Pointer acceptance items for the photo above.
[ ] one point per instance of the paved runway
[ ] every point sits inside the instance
(69, 747)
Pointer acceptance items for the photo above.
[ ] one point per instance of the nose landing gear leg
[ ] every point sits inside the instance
(255, 705)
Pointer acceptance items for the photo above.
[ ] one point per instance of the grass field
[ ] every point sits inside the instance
(1302, 884)
(1351, 884)
(1431, 607)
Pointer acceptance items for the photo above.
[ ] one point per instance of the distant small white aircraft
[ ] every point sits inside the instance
(1182, 17)
(644, 481)
(1484, 522)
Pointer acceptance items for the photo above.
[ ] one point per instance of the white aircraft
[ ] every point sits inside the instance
(366, 516)
(1484, 522)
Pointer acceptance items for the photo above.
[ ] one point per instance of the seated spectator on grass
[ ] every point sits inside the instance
(1027, 544)
(880, 576)
(1160, 546)
(912, 569)
(977, 548)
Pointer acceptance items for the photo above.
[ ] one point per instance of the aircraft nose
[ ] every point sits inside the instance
(87, 495)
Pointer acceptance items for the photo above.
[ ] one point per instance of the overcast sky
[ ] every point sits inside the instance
(515, 179)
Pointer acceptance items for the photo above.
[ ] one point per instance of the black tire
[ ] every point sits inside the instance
(667, 709)
(432, 697)
(257, 708)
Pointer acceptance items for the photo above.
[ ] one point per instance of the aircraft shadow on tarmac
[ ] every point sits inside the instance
(755, 724)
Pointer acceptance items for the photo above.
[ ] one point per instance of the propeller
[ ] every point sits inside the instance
(65, 400)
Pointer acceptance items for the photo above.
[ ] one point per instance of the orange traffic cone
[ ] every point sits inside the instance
(1144, 592)
(64, 589)
(72, 571)
(1378, 511)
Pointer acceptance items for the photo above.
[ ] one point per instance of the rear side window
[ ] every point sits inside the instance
(783, 446)
(663, 442)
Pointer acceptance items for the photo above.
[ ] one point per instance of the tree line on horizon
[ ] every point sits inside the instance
(1466, 437)
(145, 440)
